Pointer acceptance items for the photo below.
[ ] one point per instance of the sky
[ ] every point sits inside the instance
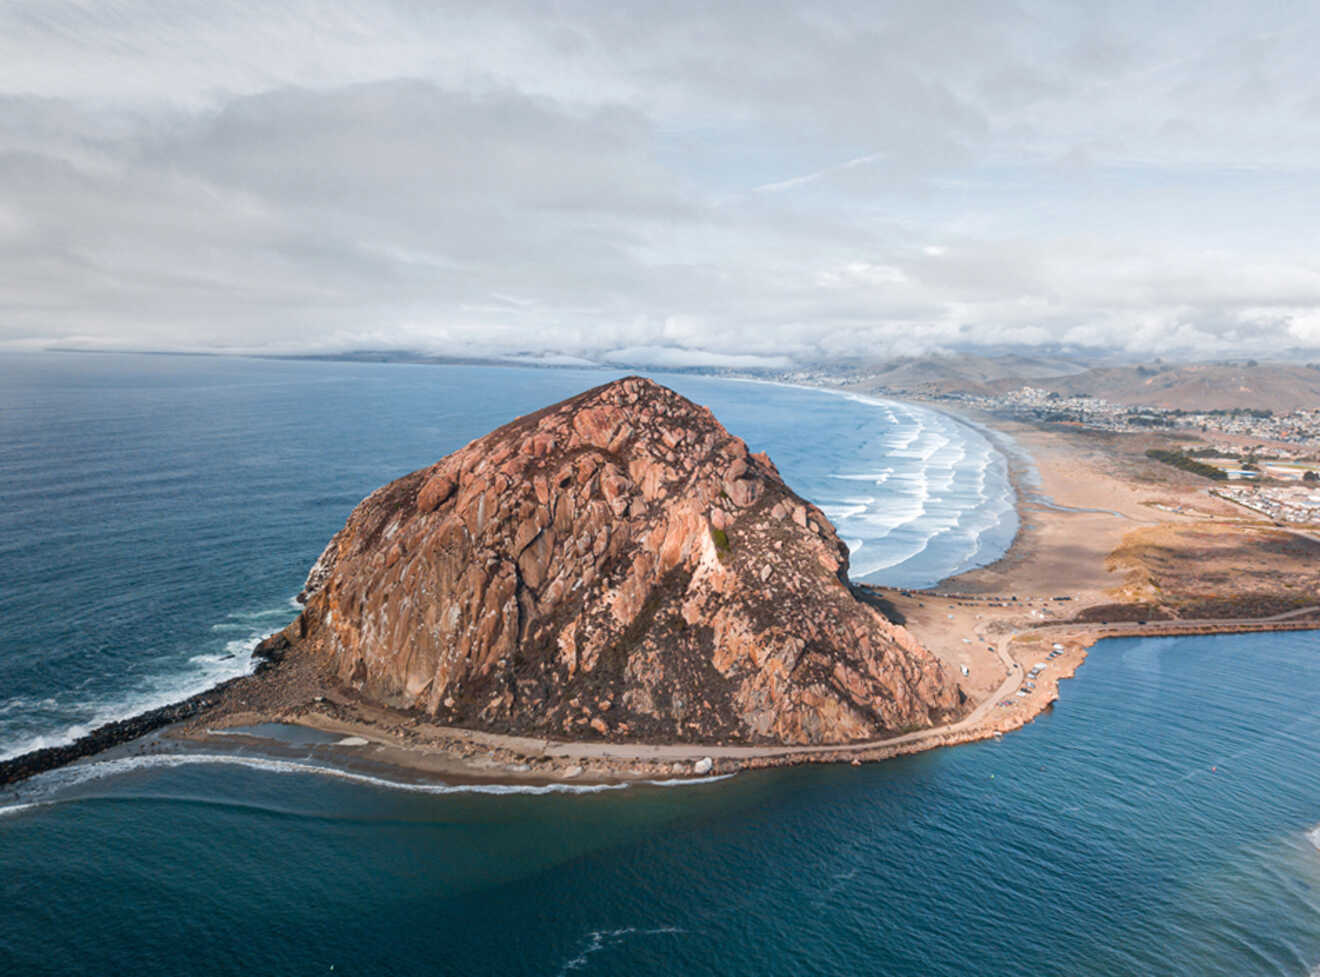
(739, 184)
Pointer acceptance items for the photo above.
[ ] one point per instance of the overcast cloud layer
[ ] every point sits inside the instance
(659, 183)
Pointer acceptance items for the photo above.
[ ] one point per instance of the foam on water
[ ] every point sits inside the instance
(937, 507)
(939, 513)
(598, 940)
(875, 478)
(848, 509)
(247, 620)
(205, 671)
(49, 788)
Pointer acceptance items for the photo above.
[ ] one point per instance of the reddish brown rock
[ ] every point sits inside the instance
(620, 548)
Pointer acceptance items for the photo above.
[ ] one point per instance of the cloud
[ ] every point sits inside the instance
(672, 356)
(746, 186)
(800, 181)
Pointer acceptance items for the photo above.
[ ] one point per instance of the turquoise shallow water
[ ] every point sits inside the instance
(1162, 819)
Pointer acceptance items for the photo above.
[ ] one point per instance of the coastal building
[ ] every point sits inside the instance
(1285, 504)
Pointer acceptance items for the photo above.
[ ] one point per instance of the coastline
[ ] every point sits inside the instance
(416, 752)
(995, 621)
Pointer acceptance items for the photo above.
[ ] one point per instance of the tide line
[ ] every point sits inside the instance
(52, 785)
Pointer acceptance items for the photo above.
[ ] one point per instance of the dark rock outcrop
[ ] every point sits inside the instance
(105, 736)
(615, 566)
(120, 731)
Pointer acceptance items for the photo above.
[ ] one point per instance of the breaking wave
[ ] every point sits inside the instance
(52, 787)
(946, 503)
(199, 672)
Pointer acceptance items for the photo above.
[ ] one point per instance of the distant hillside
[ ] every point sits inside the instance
(1196, 386)
(961, 373)
(1200, 386)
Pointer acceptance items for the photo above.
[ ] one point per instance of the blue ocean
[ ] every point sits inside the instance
(159, 513)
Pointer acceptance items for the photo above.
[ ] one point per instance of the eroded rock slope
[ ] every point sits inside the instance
(614, 566)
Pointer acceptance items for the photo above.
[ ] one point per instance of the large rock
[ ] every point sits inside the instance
(600, 569)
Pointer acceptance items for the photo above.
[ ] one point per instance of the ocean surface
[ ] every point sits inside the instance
(158, 514)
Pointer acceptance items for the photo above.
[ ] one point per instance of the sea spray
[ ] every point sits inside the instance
(204, 671)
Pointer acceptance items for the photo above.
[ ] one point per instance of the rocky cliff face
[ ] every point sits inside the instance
(617, 566)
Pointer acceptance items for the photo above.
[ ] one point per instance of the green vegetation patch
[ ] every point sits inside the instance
(721, 540)
(1179, 460)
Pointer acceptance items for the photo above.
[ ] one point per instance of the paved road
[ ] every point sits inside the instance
(683, 751)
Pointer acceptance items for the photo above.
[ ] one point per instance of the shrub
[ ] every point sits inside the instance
(721, 540)
(1179, 460)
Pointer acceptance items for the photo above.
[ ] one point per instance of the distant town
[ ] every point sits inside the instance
(1282, 504)
(1278, 452)
(1267, 461)
(1300, 427)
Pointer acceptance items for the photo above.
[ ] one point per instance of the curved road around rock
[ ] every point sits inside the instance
(1012, 680)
